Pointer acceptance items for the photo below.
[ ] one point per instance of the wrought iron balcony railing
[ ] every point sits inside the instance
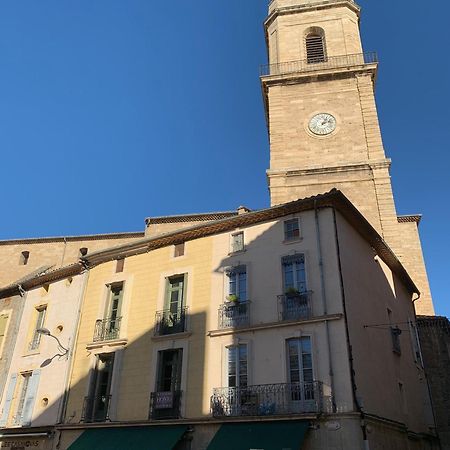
(327, 62)
(96, 408)
(165, 405)
(171, 322)
(234, 314)
(295, 306)
(107, 329)
(267, 400)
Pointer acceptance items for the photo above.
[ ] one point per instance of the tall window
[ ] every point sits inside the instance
(237, 366)
(315, 46)
(300, 360)
(24, 381)
(113, 312)
(166, 401)
(294, 273)
(237, 283)
(176, 287)
(98, 401)
(40, 319)
(169, 370)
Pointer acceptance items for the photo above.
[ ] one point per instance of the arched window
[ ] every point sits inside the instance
(315, 46)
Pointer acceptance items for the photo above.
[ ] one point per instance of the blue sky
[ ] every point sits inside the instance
(114, 110)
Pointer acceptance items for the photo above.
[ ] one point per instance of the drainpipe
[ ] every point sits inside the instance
(69, 368)
(349, 345)
(324, 305)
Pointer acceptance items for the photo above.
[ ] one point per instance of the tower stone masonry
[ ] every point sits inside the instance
(323, 124)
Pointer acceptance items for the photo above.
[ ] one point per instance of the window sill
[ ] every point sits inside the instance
(31, 353)
(238, 252)
(293, 241)
(112, 343)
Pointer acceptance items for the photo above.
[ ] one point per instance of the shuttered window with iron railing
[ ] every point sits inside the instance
(315, 48)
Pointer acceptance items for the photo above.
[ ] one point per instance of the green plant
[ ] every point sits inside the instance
(292, 291)
(233, 298)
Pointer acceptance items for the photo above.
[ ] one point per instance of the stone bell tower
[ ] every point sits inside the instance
(323, 125)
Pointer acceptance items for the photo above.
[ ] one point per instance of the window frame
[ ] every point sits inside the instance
(236, 348)
(35, 341)
(286, 231)
(294, 260)
(236, 271)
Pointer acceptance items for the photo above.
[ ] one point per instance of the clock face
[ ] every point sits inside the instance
(322, 124)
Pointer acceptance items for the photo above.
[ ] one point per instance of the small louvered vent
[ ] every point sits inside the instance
(315, 49)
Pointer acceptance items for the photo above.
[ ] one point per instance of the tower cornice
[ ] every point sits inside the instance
(275, 11)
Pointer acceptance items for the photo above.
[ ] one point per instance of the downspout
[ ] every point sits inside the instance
(324, 306)
(349, 345)
(69, 369)
(433, 414)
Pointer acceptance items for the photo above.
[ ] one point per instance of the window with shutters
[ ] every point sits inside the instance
(23, 387)
(315, 46)
(40, 319)
(3, 324)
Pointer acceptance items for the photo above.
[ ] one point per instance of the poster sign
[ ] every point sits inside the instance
(164, 400)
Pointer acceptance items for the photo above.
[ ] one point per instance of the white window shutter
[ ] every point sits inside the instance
(30, 398)
(8, 399)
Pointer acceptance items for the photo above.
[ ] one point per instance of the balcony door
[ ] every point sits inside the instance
(165, 402)
(99, 399)
(113, 311)
(175, 293)
(300, 371)
(173, 317)
(169, 370)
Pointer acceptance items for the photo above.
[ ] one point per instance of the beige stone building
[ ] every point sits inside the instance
(320, 106)
(285, 328)
(290, 327)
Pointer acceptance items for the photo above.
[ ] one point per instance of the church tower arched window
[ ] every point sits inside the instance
(315, 46)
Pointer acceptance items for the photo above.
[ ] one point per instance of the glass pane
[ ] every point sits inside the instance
(288, 276)
(242, 286)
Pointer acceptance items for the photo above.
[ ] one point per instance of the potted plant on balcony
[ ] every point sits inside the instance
(292, 292)
(233, 299)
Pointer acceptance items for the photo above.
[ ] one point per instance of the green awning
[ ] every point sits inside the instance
(260, 436)
(149, 438)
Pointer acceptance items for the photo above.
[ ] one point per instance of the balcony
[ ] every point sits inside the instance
(96, 408)
(107, 329)
(234, 315)
(170, 322)
(267, 400)
(332, 62)
(165, 405)
(295, 306)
